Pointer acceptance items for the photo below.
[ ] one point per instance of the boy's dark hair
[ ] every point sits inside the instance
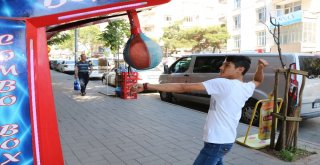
(240, 61)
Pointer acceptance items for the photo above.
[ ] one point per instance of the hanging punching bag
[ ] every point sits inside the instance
(140, 51)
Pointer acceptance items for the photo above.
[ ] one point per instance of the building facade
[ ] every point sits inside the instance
(248, 22)
(249, 25)
(191, 12)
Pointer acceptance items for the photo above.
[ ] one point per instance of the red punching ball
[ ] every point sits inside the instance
(140, 51)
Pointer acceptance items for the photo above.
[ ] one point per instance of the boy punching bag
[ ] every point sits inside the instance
(140, 51)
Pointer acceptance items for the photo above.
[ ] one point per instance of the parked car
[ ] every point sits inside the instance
(66, 66)
(99, 66)
(51, 64)
(150, 76)
(202, 67)
(55, 64)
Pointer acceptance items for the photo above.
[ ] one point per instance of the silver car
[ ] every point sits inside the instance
(202, 67)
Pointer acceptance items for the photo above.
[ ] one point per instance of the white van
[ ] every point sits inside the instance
(202, 67)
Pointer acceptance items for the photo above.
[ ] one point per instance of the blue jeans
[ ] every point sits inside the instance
(212, 154)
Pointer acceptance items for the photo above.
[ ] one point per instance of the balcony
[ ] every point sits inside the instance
(282, 2)
(290, 18)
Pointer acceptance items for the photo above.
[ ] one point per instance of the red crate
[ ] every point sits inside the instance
(128, 95)
(129, 75)
(127, 80)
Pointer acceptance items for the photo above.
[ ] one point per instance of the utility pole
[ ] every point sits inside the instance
(76, 34)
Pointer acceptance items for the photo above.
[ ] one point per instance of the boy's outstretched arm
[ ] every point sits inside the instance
(170, 87)
(259, 75)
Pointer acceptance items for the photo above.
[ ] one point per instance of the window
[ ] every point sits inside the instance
(297, 6)
(208, 64)
(237, 4)
(168, 18)
(285, 37)
(279, 10)
(237, 22)
(261, 14)
(261, 38)
(181, 66)
(148, 29)
(188, 19)
(309, 32)
(288, 8)
(291, 34)
(237, 41)
(223, 1)
(310, 64)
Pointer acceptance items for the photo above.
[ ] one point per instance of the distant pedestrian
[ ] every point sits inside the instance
(228, 95)
(82, 70)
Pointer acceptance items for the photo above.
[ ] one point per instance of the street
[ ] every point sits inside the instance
(310, 130)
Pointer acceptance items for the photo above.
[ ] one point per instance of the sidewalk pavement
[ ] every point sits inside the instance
(97, 129)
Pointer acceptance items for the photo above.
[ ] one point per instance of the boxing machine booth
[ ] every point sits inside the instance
(28, 124)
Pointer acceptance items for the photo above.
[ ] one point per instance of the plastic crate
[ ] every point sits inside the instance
(127, 80)
(128, 95)
(129, 75)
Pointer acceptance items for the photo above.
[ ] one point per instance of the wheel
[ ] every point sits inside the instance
(164, 96)
(247, 111)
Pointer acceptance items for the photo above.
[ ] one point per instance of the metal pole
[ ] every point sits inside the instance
(275, 110)
(76, 34)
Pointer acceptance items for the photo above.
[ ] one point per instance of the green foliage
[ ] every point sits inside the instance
(68, 43)
(89, 38)
(216, 36)
(311, 65)
(286, 155)
(115, 33)
(171, 38)
(291, 155)
(59, 38)
(200, 38)
(196, 38)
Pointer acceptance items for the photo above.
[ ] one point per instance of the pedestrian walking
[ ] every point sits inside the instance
(82, 70)
(228, 95)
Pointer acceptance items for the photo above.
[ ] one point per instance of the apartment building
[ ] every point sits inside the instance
(300, 32)
(249, 25)
(191, 12)
(248, 22)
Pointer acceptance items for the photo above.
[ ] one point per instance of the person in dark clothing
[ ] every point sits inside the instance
(82, 70)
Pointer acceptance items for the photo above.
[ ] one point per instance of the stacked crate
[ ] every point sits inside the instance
(127, 80)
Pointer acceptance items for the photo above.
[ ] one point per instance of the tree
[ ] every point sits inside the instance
(199, 38)
(89, 37)
(216, 36)
(114, 34)
(171, 38)
(63, 40)
(196, 38)
(193, 38)
(290, 113)
(59, 38)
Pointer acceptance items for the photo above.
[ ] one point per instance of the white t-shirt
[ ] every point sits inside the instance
(227, 99)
